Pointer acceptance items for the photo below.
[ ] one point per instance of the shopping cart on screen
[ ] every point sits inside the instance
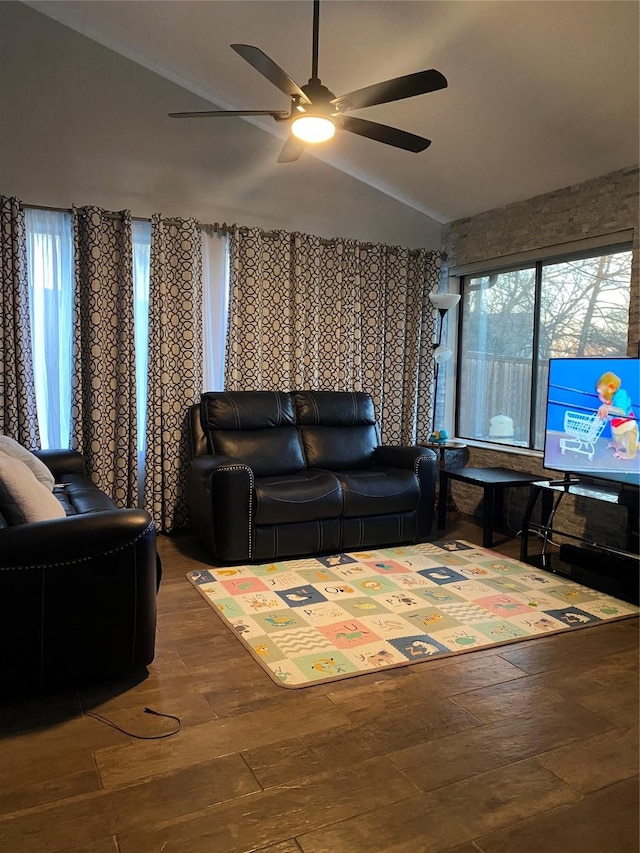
(583, 430)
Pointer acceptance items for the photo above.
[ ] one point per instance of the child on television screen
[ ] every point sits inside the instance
(616, 402)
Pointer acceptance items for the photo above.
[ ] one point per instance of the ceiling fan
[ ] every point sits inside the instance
(315, 113)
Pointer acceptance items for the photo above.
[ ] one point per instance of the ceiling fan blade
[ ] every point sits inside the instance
(291, 150)
(393, 90)
(382, 133)
(218, 113)
(268, 68)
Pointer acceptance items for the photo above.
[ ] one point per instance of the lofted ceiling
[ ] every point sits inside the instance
(542, 94)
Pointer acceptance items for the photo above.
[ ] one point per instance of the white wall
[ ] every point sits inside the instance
(80, 124)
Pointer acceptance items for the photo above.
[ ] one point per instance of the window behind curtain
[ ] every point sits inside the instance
(50, 273)
(514, 320)
(51, 284)
(141, 240)
(215, 307)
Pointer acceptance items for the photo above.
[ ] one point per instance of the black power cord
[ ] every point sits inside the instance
(113, 725)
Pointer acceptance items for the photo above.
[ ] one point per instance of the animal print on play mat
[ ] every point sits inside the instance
(323, 618)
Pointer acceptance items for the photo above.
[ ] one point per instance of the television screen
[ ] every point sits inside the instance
(592, 418)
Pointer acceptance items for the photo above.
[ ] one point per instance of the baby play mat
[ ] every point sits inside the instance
(320, 619)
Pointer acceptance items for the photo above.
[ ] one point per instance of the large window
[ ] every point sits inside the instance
(515, 319)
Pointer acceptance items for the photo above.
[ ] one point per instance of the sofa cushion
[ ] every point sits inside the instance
(265, 451)
(338, 448)
(378, 491)
(228, 410)
(23, 498)
(338, 429)
(78, 496)
(333, 408)
(256, 427)
(37, 466)
(302, 496)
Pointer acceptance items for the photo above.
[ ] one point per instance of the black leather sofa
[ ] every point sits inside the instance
(77, 593)
(277, 474)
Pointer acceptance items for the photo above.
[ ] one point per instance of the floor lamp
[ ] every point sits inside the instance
(443, 302)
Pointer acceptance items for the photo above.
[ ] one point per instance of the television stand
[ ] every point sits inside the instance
(587, 554)
(567, 481)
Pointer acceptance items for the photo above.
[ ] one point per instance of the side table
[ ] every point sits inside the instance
(441, 447)
(493, 481)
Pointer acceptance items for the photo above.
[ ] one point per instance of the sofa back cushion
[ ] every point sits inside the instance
(338, 428)
(256, 427)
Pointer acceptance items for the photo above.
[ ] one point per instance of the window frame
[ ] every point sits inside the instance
(524, 261)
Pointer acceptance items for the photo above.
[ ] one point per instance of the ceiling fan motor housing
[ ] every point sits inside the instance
(319, 96)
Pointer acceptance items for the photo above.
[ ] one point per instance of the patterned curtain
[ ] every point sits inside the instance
(335, 315)
(175, 364)
(103, 394)
(18, 415)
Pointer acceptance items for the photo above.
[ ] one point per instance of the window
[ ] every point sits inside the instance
(50, 275)
(215, 307)
(141, 246)
(514, 319)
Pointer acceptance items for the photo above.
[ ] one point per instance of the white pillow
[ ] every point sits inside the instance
(22, 497)
(42, 473)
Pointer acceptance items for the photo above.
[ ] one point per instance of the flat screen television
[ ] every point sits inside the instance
(591, 428)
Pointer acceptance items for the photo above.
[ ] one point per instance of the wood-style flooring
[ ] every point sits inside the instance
(526, 748)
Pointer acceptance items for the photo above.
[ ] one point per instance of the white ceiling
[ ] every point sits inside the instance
(542, 93)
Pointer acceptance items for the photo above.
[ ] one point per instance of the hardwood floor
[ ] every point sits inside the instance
(526, 748)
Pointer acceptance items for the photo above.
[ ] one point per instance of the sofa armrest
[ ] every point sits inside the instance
(73, 539)
(220, 498)
(390, 456)
(61, 462)
(77, 600)
(424, 463)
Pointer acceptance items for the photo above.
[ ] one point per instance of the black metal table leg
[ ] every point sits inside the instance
(524, 536)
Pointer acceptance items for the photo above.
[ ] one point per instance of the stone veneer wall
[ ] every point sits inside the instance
(594, 208)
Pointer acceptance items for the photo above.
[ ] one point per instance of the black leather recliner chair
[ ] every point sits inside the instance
(278, 474)
(77, 594)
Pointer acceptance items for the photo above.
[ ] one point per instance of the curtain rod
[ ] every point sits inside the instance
(214, 227)
(324, 241)
(217, 228)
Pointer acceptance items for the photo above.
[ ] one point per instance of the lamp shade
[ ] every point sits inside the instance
(444, 301)
(442, 354)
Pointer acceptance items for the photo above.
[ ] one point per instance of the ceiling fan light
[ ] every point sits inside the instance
(313, 128)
